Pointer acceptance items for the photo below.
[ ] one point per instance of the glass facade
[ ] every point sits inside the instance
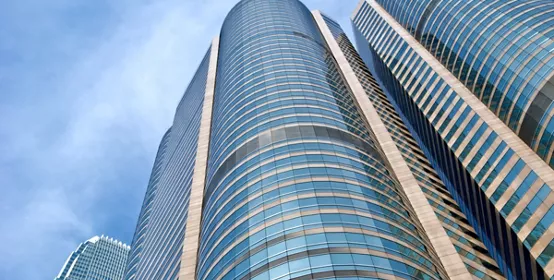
(494, 179)
(501, 50)
(158, 240)
(296, 186)
(96, 258)
(470, 248)
(298, 183)
(147, 206)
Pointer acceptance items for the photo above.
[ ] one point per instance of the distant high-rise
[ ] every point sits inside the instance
(97, 258)
(474, 82)
(287, 160)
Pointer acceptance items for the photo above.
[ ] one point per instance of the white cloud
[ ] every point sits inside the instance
(104, 110)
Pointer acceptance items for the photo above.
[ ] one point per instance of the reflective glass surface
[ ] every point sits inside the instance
(296, 186)
(482, 172)
(501, 50)
(158, 241)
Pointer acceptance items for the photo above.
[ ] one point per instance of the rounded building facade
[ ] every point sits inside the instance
(296, 187)
(501, 50)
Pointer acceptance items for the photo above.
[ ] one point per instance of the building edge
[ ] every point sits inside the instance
(448, 256)
(519, 147)
(527, 155)
(189, 257)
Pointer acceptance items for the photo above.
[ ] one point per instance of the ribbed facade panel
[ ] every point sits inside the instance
(470, 248)
(503, 51)
(503, 197)
(141, 230)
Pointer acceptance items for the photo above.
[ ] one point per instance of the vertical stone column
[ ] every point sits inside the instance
(192, 233)
(448, 256)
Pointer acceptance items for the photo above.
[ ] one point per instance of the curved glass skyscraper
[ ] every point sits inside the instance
(296, 185)
(286, 160)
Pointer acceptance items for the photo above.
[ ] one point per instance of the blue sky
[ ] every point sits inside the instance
(87, 89)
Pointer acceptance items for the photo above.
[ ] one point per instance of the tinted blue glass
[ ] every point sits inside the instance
(506, 61)
(291, 159)
(507, 181)
(501, 148)
(499, 166)
(482, 150)
(163, 218)
(135, 255)
(541, 195)
(523, 188)
(540, 228)
(465, 132)
(473, 141)
(445, 44)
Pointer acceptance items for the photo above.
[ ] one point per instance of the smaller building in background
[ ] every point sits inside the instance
(97, 258)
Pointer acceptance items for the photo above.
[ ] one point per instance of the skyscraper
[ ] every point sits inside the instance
(471, 250)
(287, 160)
(142, 228)
(97, 258)
(472, 81)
